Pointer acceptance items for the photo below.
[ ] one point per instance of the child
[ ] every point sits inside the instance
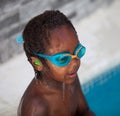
(53, 49)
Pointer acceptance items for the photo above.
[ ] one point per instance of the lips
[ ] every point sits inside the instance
(72, 75)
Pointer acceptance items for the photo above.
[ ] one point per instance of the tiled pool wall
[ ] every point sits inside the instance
(102, 78)
(103, 93)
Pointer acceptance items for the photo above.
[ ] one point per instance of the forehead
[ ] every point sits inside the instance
(62, 39)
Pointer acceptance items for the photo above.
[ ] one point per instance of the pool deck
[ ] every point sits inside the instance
(99, 32)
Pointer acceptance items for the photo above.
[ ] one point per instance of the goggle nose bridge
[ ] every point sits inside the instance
(76, 55)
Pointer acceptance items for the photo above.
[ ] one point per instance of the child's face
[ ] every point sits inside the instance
(63, 39)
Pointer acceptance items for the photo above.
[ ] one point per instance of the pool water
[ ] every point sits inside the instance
(103, 93)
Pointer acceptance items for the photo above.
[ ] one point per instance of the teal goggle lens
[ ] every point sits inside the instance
(61, 59)
(80, 51)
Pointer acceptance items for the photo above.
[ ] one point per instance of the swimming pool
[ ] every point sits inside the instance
(103, 93)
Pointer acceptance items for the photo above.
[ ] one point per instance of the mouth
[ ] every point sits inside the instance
(70, 78)
(72, 75)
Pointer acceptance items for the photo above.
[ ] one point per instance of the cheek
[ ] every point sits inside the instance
(57, 73)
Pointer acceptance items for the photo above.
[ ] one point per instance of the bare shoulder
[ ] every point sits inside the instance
(35, 106)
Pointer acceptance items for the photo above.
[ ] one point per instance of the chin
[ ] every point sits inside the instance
(71, 80)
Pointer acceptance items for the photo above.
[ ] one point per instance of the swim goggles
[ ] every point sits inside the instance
(63, 58)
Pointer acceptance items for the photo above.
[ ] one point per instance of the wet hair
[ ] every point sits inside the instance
(37, 32)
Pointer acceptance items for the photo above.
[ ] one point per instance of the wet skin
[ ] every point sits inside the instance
(59, 92)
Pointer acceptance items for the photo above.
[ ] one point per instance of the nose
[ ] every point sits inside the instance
(75, 63)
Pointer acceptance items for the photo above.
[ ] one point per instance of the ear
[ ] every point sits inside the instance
(37, 64)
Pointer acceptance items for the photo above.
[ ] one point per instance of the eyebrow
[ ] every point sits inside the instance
(58, 53)
(49, 53)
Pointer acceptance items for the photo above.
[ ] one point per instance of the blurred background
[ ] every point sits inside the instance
(97, 23)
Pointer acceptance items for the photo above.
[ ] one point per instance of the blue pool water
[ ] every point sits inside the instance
(103, 93)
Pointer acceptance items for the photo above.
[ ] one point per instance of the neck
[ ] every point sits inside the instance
(50, 85)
